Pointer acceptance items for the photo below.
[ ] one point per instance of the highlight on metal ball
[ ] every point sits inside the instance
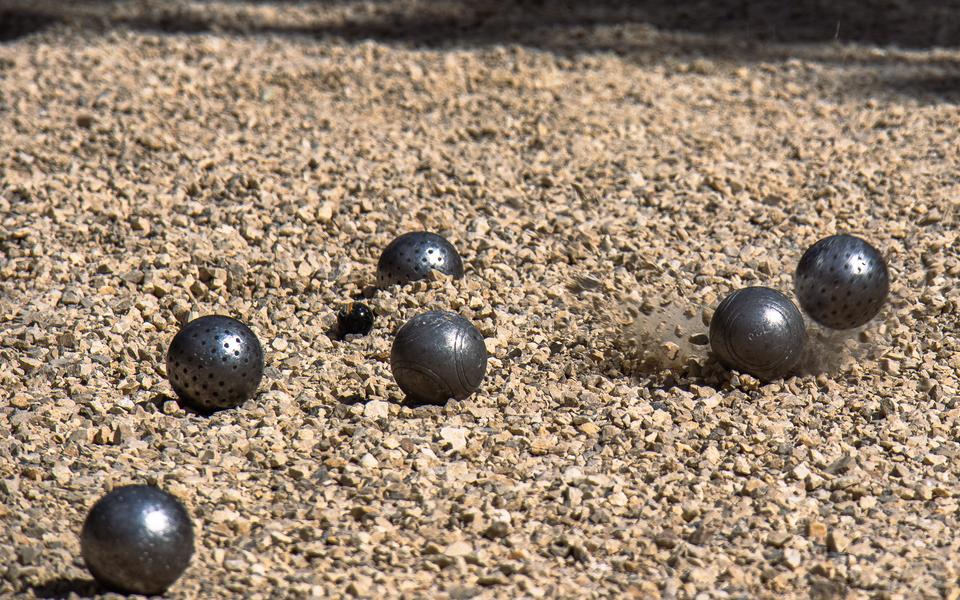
(215, 362)
(842, 282)
(412, 255)
(758, 330)
(438, 355)
(137, 539)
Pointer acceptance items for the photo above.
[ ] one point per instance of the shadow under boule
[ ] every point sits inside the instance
(414, 402)
(67, 587)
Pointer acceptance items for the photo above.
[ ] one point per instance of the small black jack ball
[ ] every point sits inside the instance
(842, 282)
(438, 355)
(215, 362)
(412, 255)
(357, 319)
(137, 539)
(758, 330)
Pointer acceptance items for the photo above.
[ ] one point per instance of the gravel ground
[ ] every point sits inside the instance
(607, 182)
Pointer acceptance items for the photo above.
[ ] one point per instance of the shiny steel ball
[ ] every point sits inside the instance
(357, 319)
(758, 330)
(412, 255)
(842, 282)
(438, 355)
(137, 540)
(215, 362)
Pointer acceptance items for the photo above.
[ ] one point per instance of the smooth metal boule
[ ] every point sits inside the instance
(412, 255)
(841, 282)
(137, 539)
(758, 330)
(438, 355)
(215, 362)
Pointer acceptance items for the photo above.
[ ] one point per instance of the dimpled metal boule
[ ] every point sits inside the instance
(841, 282)
(215, 362)
(759, 331)
(137, 539)
(412, 255)
(438, 355)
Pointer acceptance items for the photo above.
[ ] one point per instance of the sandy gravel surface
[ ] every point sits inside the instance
(607, 180)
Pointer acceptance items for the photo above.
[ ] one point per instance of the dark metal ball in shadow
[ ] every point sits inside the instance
(841, 282)
(215, 362)
(758, 330)
(357, 319)
(412, 255)
(137, 539)
(438, 355)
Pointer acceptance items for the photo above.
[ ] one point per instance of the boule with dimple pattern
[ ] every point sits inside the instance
(438, 355)
(215, 362)
(412, 255)
(758, 330)
(841, 282)
(137, 539)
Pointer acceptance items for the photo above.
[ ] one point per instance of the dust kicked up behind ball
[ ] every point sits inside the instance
(438, 355)
(215, 362)
(842, 282)
(412, 255)
(759, 331)
(137, 539)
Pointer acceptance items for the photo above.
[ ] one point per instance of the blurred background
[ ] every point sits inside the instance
(903, 23)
